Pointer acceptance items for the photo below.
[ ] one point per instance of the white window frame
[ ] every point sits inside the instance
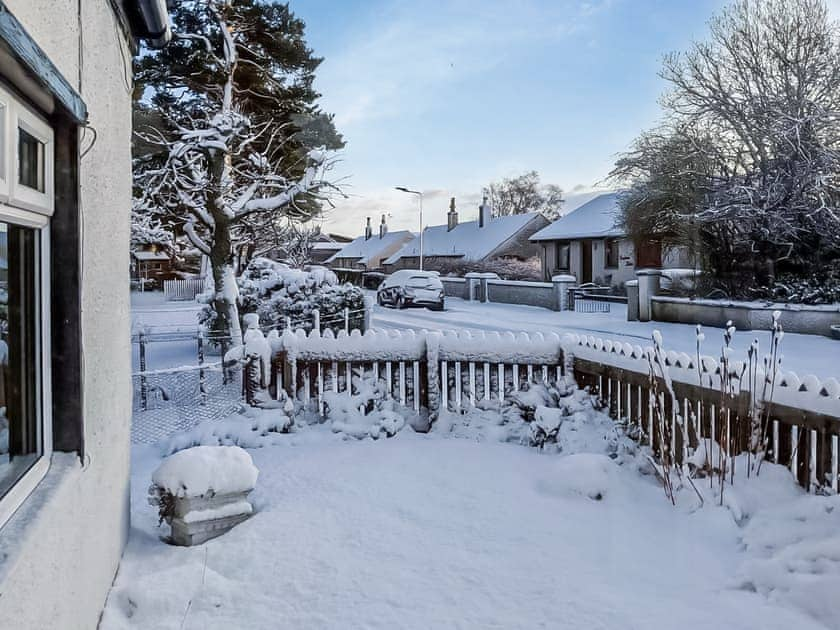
(31, 211)
(22, 117)
(5, 126)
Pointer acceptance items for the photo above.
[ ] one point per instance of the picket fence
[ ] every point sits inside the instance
(432, 371)
(182, 290)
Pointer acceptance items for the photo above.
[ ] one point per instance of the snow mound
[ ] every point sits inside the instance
(795, 549)
(581, 474)
(253, 428)
(205, 471)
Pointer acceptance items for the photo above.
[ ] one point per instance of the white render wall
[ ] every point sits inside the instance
(65, 542)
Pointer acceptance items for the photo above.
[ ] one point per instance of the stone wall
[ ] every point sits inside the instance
(795, 318)
(541, 294)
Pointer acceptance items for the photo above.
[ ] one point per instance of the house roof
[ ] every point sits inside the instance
(466, 240)
(365, 249)
(328, 246)
(597, 218)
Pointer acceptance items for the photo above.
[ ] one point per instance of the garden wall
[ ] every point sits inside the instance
(541, 294)
(795, 318)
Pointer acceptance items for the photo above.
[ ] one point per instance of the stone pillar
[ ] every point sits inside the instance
(562, 284)
(648, 287)
(473, 280)
(632, 287)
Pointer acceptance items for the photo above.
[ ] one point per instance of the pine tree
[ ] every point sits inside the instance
(236, 142)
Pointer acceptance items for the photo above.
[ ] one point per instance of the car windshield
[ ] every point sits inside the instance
(423, 282)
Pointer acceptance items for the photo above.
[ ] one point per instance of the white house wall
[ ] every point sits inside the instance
(66, 540)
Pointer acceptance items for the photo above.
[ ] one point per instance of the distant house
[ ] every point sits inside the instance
(486, 238)
(326, 245)
(323, 246)
(367, 252)
(590, 244)
(151, 265)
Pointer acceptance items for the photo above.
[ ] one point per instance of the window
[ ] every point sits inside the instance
(561, 251)
(26, 158)
(611, 253)
(25, 420)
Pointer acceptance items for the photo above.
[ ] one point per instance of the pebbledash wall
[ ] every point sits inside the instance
(60, 551)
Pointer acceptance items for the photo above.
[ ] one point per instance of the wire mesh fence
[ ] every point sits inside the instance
(166, 402)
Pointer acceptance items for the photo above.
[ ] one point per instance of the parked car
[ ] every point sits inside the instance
(411, 287)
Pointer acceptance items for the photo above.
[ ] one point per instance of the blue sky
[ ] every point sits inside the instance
(447, 96)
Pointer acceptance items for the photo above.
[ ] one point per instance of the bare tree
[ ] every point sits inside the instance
(523, 194)
(752, 127)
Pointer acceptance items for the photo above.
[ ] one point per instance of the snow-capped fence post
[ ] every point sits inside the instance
(144, 392)
(316, 320)
(346, 319)
(202, 378)
(433, 385)
(368, 313)
(562, 284)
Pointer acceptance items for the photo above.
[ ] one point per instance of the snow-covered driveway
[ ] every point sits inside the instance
(431, 532)
(804, 354)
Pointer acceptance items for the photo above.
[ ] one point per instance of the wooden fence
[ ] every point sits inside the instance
(448, 371)
(182, 290)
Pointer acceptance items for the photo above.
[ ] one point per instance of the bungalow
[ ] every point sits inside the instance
(486, 238)
(590, 244)
(65, 194)
(367, 252)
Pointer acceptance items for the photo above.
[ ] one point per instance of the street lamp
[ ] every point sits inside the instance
(420, 195)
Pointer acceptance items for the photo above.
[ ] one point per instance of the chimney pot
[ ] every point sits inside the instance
(383, 228)
(368, 230)
(451, 216)
(484, 213)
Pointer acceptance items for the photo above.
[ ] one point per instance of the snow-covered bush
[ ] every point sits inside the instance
(251, 427)
(366, 411)
(505, 268)
(277, 293)
(557, 417)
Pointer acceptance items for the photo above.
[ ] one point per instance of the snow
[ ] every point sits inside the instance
(206, 471)
(803, 354)
(373, 247)
(467, 239)
(595, 219)
(433, 531)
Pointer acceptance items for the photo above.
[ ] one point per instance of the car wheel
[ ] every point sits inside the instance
(401, 302)
(379, 299)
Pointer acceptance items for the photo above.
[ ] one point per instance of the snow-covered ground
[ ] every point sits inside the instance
(432, 531)
(804, 354)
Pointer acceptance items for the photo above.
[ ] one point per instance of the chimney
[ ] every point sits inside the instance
(383, 228)
(368, 230)
(484, 213)
(451, 216)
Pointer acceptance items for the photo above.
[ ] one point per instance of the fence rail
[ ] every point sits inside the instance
(183, 289)
(432, 372)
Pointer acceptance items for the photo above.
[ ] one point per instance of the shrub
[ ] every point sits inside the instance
(275, 292)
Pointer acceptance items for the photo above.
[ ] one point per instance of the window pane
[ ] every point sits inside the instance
(31, 160)
(20, 435)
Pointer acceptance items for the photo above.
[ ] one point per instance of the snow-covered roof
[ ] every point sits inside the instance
(150, 255)
(328, 246)
(596, 218)
(365, 249)
(466, 240)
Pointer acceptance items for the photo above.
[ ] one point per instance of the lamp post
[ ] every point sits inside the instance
(420, 195)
